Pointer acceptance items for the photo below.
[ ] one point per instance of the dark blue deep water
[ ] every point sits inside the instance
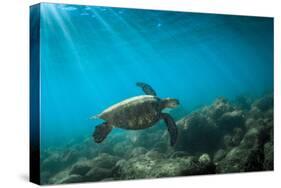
(91, 58)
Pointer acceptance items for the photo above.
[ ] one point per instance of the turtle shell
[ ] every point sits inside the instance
(134, 113)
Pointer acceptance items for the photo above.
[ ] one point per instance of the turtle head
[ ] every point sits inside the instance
(170, 103)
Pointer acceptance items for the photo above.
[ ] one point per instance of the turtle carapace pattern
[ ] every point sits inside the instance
(135, 113)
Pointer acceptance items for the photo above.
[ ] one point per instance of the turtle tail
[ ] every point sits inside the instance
(101, 132)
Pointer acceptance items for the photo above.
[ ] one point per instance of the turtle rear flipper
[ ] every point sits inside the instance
(172, 128)
(147, 89)
(101, 132)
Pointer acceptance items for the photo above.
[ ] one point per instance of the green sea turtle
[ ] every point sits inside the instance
(136, 113)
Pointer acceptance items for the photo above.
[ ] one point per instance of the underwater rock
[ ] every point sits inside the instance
(250, 154)
(234, 161)
(233, 138)
(262, 108)
(45, 176)
(237, 136)
(243, 102)
(53, 163)
(152, 154)
(250, 123)
(268, 156)
(70, 156)
(218, 108)
(255, 113)
(254, 160)
(205, 165)
(151, 166)
(197, 134)
(204, 159)
(137, 151)
(89, 149)
(163, 146)
(219, 155)
(58, 160)
(80, 168)
(102, 165)
(261, 151)
(268, 115)
(74, 178)
(59, 177)
(227, 141)
(152, 138)
(104, 160)
(108, 179)
(230, 120)
(264, 103)
(177, 154)
(143, 167)
(258, 123)
(207, 129)
(98, 174)
(251, 138)
(118, 167)
(121, 148)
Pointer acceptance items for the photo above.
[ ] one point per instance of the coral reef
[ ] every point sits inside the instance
(223, 137)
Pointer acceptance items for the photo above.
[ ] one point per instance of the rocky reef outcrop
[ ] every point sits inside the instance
(224, 137)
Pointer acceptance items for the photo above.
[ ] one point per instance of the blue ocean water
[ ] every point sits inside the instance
(91, 58)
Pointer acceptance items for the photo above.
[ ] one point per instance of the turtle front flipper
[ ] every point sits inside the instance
(147, 89)
(172, 128)
(101, 132)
